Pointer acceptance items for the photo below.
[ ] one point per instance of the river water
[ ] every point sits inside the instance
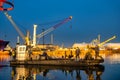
(109, 70)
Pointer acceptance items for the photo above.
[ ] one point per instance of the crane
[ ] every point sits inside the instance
(25, 38)
(102, 43)
(54, 27)
(97, 41)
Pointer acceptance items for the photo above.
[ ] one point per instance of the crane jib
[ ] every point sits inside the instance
(53, 28)
(66, 20)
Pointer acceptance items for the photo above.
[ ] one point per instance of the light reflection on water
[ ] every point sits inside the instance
(4, 59)
(109, 71)
(57, 73)
(113, 59)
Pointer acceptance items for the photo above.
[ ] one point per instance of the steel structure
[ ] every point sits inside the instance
(25, 38)
(54, 27)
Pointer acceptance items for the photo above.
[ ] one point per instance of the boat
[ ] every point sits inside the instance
(42, 67)
(58, 62)
(3, 44)
(23, 58)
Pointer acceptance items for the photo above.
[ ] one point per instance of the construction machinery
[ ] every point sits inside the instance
(102, 43)
(97, 41)
(48, 30)
(25, 38)
(54, 27)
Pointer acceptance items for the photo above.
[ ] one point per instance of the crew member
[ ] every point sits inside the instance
(96, 51)
(77, 53)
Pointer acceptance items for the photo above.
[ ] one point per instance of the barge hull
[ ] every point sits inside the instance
(58, 62)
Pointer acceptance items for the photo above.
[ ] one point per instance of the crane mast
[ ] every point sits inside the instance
(54, 27)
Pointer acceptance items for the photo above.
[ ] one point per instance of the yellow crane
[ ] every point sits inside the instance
(102, 43)
(25, 38)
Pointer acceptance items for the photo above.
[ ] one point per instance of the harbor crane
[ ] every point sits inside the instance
(102, 43)
(25, 38)
(54, 27)
(48, 30)
(97, 41)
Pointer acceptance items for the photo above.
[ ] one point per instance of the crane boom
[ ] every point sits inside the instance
(14, 25)
(54, 27)
(106, 41)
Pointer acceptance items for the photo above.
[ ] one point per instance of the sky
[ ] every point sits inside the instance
(90, 19)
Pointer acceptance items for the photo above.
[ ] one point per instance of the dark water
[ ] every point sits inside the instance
(109, 70)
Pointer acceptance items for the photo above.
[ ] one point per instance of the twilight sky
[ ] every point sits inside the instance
(90, 18)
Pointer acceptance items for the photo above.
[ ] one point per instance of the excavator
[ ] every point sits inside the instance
(26, 38)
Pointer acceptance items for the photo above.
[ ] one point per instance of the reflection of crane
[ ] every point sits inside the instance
(53, 28)
(25, 39)
(102, 43)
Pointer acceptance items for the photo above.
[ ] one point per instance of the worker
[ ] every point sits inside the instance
(96, 51)
(45, 55)
(65, 55)
(71, 55)
(88, 55)
(77, 52)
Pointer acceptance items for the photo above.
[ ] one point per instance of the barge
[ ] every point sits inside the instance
(42, 67)
(23, 58)
(58, 62)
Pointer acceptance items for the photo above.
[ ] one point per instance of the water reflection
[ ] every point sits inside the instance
(113, 58)
(4, 59)
(30, 72)
(112, 65)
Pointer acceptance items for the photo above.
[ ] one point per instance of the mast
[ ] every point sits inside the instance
(34, 35)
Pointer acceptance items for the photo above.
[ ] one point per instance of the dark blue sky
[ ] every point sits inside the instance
(90, 18)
